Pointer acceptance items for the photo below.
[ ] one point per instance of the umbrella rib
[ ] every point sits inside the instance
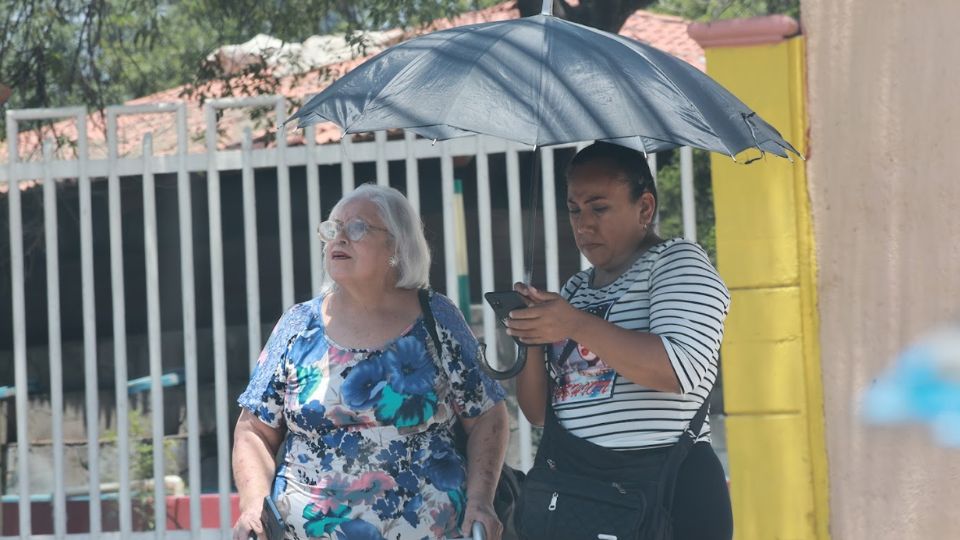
(544, 49)
(415, 62)
(406, 68)
(493, 42)
(617, 39)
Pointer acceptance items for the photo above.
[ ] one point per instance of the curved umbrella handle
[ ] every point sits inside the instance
(511, 372)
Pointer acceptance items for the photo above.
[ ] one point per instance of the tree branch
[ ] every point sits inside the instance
(608, 15)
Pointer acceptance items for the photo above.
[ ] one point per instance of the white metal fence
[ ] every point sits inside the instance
(280, 158)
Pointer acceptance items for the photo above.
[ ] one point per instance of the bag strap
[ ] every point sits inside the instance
(431, 323)
(696, 423)
(459, 433)
(679, 452)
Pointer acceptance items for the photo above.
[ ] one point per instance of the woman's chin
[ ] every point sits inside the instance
(341, 276)
(595, 254)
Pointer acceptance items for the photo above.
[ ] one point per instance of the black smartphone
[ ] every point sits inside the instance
(503, 302)
(273, 526)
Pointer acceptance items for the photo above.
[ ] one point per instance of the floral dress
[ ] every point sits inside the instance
(368, 452)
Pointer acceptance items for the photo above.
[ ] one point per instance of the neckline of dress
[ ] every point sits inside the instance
(369, 350)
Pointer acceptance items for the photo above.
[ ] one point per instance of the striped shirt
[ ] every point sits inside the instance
(672, 291)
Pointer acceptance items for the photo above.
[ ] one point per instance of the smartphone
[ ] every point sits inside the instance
(273, 526)
(503, 302)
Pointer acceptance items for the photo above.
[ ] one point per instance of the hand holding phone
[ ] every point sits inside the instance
(503, 302)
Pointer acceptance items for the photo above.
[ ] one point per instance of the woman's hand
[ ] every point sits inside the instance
(487, 437)
(248, 522)
(549, 318)
(485, 514)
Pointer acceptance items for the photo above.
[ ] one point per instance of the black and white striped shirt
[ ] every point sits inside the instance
(672, 291)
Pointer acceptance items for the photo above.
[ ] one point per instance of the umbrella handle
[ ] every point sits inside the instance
(511, 372)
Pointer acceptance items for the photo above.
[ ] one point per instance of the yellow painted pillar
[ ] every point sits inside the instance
(772, 384)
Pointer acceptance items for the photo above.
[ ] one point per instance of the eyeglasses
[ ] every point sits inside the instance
(355, 229)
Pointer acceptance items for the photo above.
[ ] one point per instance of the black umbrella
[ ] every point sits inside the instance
(541, 81)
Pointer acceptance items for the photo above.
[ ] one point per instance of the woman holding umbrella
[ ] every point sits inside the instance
(634, 342)
(360, 388)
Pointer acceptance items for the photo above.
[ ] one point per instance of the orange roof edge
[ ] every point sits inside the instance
(769, 29)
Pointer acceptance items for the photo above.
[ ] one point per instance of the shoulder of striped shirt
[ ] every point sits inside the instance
(678, 245)
(668, 247)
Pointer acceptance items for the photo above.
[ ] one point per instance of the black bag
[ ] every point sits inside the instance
(273, 526)
(577, 489)
(509, 486)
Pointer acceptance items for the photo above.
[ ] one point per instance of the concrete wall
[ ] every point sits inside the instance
(884, 110)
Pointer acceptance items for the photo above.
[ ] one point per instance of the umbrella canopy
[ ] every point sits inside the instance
(541, 81)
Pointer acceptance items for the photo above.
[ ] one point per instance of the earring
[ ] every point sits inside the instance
(393, 261)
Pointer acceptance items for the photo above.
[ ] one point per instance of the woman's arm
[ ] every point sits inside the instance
(487, 437)
(552, 319)
(254, 446)
(620, 349)
(688, 304)
(532, 387)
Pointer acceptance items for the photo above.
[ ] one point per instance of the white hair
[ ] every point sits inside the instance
(405, 227)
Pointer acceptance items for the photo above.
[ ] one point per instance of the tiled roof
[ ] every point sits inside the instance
(662, 31)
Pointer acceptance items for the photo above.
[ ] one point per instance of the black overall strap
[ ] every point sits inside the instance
(674, 460)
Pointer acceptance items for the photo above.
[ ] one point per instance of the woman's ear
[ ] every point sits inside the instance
(648, 207)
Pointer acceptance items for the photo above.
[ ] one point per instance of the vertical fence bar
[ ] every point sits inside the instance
(687, 194)
(485, 220)
(19, 329)
(517, 273)
(383, 170)
(550, 242)
(413, 175)
(515, 213)
(219, 320)
(449, 225)
(584, 263)
(91, 386)
(54, 342)
(283, 201)
(119, 329)
(313, 211)
(188, 295)
(346, 164)
(652, 163)
(250, 251)
(151, 262)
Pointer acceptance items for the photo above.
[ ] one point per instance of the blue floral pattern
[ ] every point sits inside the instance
(368, 452)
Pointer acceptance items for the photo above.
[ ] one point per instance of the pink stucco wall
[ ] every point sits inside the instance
(884, 176)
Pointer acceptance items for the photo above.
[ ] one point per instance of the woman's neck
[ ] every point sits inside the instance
(605, 276)
(365, 298)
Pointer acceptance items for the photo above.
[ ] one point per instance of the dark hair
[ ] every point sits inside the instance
(630, 162)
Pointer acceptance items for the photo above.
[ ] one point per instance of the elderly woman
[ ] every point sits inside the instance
(635, 340)
(352, 387)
